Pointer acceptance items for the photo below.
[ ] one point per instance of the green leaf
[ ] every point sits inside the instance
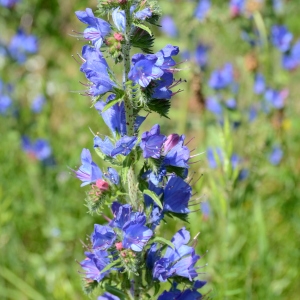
(115, 291)
(142, 39)
(110, 266)
(119, 97)
(161, 240)
(144, 27)
(154, 197)
(160, 106)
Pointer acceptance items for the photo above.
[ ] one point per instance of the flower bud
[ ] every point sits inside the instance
(119, 246)
(102, 185)
(171, 141)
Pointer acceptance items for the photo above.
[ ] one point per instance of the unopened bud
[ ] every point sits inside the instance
(119, 246)
(118, 36)
(102, 185)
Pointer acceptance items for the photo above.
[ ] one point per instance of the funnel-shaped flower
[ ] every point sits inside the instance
(97, 28)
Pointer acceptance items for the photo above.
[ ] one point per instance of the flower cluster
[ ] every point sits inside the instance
(125, 253)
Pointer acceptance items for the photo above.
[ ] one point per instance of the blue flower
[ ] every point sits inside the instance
(124, 145)
(276, 98)
(291, 60)
(252, 114)
(214, 156)
(96, 69)
(179, 261)
(143, 14)
(106, 146)
(103, 237)
(221, 78)
(8, 3)
(38, 103)
(276, 155)
(168, 26)
(97, 28)
(94, 263)
(259, 84)
(231, 103)
(88, 172)
(177, 194)
(205, 208)
(281, 37)
(201, 55)
(187, 294)
(151, 142)
(119, 19)
(237, 7)
(161, 90)
(278, 5)
(21, 45)
(136, 234)
(202, 9)
(5, 103)
(178, 156)
(213, 105)
(165, 60)
(144, 69)
(40, 149)
(112, 175)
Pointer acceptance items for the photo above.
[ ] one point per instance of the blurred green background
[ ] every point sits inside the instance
(252, 232)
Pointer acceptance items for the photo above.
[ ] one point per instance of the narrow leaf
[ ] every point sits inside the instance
(161, 240)
(154, 197)
(111, 103)
(142, 26)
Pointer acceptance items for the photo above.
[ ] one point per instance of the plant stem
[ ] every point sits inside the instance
(126, 53)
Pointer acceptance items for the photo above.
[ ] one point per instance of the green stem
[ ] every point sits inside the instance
(137, 285)
(126, 53)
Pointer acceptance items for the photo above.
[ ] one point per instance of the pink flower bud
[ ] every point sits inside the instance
(102, 185)
(119, 246)
(171, 141)
(118, 36)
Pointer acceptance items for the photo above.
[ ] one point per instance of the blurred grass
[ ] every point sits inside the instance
(252, 234)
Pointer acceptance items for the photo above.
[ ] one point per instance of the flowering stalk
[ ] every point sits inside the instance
(125, 258)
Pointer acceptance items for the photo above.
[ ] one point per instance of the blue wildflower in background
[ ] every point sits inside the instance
(291, 59)
(201, 55)
(281, 37)
(5, 99)
(236, 7)
(8, 3)
(276, 155)
(276, 98)
(21, 45)
(40, 149)
(231, 103)
(38, 104)
(259, 84)
(214, 156)
(213, 105)
(202, 9)
(221, 78)
(168, 26)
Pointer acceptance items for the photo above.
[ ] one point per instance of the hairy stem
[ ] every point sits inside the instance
(126, 53)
